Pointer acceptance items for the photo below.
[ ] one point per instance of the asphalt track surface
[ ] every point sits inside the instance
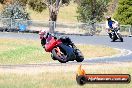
(93, 40)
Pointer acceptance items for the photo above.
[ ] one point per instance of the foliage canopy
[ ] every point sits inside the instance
(124, 12)
(91, 10)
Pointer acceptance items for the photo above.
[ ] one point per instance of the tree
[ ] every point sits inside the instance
(90, 10)
(40, 5)
(112, 7)
(124, 12)
(11, 12)
(54, 6)
(15, 11)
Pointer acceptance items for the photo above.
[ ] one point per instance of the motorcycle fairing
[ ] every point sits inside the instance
(69, 51)
(51, 43)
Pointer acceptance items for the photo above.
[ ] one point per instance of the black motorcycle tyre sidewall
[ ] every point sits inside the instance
(120, 37)
(114, 38)
(79, 56)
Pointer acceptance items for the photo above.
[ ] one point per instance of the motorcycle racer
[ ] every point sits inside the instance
(110, 23)
(113, 28)
(44, 36)
(43, 40)
(61, 49)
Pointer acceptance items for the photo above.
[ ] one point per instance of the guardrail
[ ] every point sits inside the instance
(18, 25)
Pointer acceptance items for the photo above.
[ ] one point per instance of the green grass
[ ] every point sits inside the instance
(14, 51)
(62, 79)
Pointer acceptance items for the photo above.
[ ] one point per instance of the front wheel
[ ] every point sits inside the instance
(120, 37)
(59, 54)
(114, 37)
(79, 55)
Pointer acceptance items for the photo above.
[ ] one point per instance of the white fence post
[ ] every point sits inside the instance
(130, 31)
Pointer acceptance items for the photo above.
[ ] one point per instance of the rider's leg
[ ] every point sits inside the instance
(110, 33)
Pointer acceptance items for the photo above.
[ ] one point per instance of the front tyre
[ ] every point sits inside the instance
(120, 37)
(79, 55)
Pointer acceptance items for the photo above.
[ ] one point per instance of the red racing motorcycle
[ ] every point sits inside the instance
(62, 49)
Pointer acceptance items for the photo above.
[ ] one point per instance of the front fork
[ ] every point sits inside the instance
(116, 33)
(74, 48)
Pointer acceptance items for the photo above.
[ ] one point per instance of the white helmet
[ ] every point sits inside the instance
(108, 17)
(42, 34)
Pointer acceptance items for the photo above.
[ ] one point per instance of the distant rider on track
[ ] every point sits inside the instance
(109, 25)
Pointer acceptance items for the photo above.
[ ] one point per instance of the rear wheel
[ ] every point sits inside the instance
(59, 54)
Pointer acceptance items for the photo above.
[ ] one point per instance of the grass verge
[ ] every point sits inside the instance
(15, 51)
(63, 79)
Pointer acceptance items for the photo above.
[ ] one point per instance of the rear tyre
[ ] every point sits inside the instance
(61, 58)
(79, 56)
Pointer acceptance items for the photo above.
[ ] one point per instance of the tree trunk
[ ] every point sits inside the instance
(93, 28)
(93, 5)
(53, 12)
(52, 20)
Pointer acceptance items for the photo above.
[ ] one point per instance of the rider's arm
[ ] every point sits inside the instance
(43, 42)
(55, 36)
(106, 25)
